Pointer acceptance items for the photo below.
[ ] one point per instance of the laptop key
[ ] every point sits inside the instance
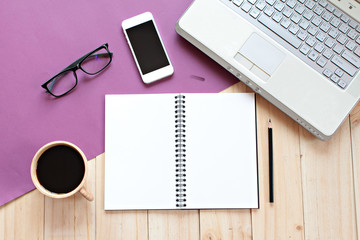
(246, 7)
(285, 23)
(316, 21)
(338, 48)
(277, 17)
(296, 18)
(304, 24)
(327, 72)
(326, 16)
(345, 18)
(254, 12)
(334, 78)
(337, 13)
(311, 41)
(321, 36)
(318, 10)
(304, 49)
(330, 8)
(261, 5)
(313, 55)
(339, 72)
(269, 11)
(310, 4)
(330, 42)
(353, 24)
(354, 60)
(291, 3)
(280, 31)
(321, 61)
(350, 45)
(319, 47)
(342, 84)
(237, 2)
(279, 6)
(300, 9)
(333, 33)
(344, 65)
(342, 39)
(323, 3)
(302, 35)
(328, 53)
(352, 34)
(287, 12)
(325, 26)
(308, 15)
(312, 30)
(293, 29)
(344, 28)
(335, 22)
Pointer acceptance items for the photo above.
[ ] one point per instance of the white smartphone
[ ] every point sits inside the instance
(147, 47)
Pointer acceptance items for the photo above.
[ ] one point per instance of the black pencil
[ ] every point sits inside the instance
(271, 176)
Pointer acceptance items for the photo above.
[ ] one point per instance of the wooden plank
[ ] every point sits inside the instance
(174, 224)
(225, 224)
(282, 219)
(72, 217)
(116, 224)
(23, 218)
(355, 140)
(328, 189)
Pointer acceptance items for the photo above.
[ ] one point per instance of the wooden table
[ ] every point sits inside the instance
(316, 196)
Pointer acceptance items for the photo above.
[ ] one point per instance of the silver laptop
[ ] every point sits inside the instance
(301, 55)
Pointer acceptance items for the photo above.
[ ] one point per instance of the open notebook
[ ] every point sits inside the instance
(180, 151)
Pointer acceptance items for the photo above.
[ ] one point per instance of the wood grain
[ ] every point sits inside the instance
(355, 141)
(328, 187)
(173, 224)
(225, 224)
(23, 218)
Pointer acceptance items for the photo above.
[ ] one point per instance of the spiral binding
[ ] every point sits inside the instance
(180, 165)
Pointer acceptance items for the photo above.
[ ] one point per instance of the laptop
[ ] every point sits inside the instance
(303, 56)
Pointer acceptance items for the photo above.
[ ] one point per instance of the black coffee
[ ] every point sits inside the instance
(60, 169)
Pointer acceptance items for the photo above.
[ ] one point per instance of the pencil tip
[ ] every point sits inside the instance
(270, 125)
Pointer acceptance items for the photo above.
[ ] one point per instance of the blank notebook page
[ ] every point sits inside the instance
(139, 152)
(221, 166)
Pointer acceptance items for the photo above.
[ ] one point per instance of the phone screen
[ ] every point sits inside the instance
(147, 47)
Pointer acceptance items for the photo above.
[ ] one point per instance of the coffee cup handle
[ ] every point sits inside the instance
(86, 194)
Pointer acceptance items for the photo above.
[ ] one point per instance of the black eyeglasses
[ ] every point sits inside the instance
(91, 63)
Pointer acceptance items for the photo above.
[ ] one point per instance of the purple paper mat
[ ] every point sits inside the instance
(41, 38)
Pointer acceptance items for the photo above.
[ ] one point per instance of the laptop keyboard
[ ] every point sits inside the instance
(316, 31)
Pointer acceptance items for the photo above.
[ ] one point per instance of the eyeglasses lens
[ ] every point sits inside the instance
(96, 62)
(62, 83)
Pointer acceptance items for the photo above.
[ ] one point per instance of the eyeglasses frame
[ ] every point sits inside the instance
(75, 66)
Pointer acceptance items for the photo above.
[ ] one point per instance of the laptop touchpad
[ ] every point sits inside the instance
(261, 54)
